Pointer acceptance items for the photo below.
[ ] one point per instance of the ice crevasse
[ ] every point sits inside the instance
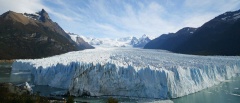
(130, 72)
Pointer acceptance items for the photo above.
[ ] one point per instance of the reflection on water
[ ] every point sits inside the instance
(226, 92)
(20, 77)
(5, 71)
(48, 91)
(16, 78)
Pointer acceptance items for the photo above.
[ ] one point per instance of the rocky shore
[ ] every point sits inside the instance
(11, 93)
(7, 61)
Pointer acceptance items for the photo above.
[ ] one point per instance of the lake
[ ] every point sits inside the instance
(226, 92)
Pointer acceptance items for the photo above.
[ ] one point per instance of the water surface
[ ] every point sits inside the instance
(226, 92)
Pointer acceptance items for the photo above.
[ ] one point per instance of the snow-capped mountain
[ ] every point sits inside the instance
(230, 16)
(141, 42)
(80, 41)
(119, 42)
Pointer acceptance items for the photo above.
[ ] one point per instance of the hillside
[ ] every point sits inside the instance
(32, 36)
(172, 40)
(219, 36)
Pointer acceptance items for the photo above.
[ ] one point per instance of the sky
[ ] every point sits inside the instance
(123, 18)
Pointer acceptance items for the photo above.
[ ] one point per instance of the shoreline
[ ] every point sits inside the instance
(15, 93)
(7, 61)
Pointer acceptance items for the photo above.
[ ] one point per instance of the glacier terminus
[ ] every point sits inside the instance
(130, 72)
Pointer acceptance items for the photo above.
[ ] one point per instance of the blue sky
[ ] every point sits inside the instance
(122, 18)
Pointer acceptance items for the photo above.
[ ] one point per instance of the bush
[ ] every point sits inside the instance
(10, 97)
(70, 99)
(112, 100)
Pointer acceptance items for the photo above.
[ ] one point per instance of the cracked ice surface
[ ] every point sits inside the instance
(130, 72)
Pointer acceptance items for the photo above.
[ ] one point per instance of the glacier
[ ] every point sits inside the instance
(130, 72)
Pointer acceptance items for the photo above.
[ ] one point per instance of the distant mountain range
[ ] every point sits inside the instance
(219, 36)
(33, 36)
(36, 35)
(120, 42)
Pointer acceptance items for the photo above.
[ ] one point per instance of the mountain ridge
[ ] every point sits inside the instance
(171, 40)
(130, 41)
(218, 36)
(25, 38)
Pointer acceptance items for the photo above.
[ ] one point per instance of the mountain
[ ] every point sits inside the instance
(80, 41)
(32, 36)
(101, 42)
(119, 42)
(219, 36)
(141, 42)
(172, 40)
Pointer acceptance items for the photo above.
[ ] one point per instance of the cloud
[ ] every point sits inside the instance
(60, 16)
(219, 5)
(197, 20)
(136, 20)
(120, 18)
(30, 6)
(205, 10)
(125, 18)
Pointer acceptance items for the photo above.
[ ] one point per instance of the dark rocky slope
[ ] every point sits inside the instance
(32, 36)
(172, 40)
(219, 36)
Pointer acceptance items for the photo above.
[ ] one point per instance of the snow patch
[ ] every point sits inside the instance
(119, 42)
(234, 17)
(28, 87)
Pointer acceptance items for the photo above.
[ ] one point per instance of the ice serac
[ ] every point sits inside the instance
(131, 72)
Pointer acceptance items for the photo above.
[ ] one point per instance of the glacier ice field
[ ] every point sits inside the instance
(130, 72)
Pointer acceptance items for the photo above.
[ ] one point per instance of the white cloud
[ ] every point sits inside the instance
(140, 18)
(212, 5)
(59, 15)
(197, 20)
(205, 10)
(30, 6)
(119, 18)
(144, 20)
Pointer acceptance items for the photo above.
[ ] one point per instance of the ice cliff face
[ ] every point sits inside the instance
(130, 72)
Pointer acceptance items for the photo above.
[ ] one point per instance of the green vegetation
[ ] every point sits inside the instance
(7, 97)
(70, 99)
(112, 100)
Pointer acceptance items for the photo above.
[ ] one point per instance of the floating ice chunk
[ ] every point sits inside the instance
(28, 87)
(235, 94)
